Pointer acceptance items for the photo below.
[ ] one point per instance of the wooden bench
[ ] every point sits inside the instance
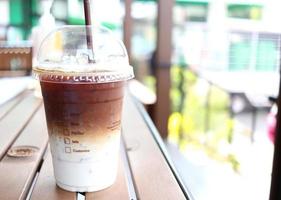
(145, 171)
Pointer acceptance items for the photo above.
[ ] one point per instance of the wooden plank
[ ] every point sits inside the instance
(17, 173)
(152, 175)
(8, 106)
(118, 190)
(45, 188)
(13, 123)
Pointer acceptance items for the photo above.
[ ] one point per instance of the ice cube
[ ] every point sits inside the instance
(82, 57)
(65, 59)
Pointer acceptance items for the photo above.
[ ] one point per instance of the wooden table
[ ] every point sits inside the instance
(145, 171)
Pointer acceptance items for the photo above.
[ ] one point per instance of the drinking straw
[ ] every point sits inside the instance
(88, 22)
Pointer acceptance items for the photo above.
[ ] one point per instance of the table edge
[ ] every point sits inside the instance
(159, 141)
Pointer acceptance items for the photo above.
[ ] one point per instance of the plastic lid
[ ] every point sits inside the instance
(65, 55)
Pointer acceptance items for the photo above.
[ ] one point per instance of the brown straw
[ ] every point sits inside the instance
(88, 21)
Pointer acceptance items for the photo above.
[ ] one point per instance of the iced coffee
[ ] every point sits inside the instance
(83, 104)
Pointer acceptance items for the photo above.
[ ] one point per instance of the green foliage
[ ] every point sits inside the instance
(200, 116)
(235, 163)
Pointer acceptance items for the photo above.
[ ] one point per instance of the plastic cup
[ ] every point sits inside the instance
(83, 92)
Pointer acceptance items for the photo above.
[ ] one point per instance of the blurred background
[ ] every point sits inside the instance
(217, 67)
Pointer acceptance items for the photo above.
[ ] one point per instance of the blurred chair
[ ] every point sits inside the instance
(143, 94)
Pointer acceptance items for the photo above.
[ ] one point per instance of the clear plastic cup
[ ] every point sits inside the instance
(82, 88)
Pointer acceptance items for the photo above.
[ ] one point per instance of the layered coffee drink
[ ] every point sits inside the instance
(84, 122)
(83, 105)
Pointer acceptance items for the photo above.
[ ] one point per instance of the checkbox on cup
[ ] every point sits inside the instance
(66, 141)
(67, 150)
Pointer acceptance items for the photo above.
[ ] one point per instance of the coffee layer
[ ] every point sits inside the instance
(83, 118)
